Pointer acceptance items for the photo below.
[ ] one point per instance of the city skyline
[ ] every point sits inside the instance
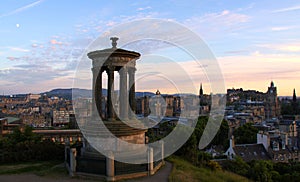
(254, 43)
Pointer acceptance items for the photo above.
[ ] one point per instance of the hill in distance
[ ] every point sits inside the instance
(84, 93)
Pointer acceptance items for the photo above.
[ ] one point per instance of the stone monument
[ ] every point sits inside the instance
(117, 116)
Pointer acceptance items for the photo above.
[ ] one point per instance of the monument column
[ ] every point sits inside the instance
(98, 91)
(95, 71)
(110, 91)
(123, 93)
(94, 108)
(132, 91)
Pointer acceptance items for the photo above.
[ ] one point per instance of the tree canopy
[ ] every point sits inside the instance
(245, 134)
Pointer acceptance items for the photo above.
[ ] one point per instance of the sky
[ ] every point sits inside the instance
(254, 42)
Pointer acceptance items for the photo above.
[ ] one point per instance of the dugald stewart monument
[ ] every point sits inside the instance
(114, 145)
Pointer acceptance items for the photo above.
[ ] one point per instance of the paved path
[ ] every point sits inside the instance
(34, 178)
(161, 176)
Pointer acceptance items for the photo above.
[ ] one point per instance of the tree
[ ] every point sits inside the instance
(24, 145)
(190, 149)
(246, 134)
(20, 135)
(221, 137)
(237, 166)
(261, 170)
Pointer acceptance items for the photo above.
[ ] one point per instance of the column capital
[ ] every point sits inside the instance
(131, 70)
(97, 69)
(123, 70)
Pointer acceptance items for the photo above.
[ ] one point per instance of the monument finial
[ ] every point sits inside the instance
(114, 41)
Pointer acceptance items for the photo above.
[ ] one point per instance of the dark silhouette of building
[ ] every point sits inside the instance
(294, 96)
(295, 103)
(201, 90)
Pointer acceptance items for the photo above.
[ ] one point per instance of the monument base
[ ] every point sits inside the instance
(87, 161)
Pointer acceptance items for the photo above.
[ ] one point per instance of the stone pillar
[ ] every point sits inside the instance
(123, 107)
(110, 167)
(94, 108)
(110, 92)
(132, 101)
(98, 92)
(162, 151)
(150, 161)
(73, 155)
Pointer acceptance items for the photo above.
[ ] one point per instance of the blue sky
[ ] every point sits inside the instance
(254, 41)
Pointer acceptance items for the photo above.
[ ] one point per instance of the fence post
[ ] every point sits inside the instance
(110, 167)
(73, 154)
(150, 161)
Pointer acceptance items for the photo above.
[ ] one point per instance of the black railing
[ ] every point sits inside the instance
(126, 168)
(68, 156)
(156, 155)
(91, 165)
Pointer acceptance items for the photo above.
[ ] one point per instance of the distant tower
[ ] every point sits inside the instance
(272, 89)
(157, 92)
(272, 84)
(294, 103)
(158, 104)
(294, 96)
(272, 106)
(201, 99)
(201, 90)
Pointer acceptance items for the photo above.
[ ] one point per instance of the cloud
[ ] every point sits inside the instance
(286, 47)
(237, 52)
(18, 10)
(55, 42)
(212, 24)
(225, 18)
(32, 75)
(144, 8)
(110, 23)
(18, 49)
(252, 71)
(25, 66)
(11, 58)
(255, 71)
(282, 28)
(292, 8)
(34, 45)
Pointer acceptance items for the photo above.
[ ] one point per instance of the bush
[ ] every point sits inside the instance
(28, 146)
(213, 165)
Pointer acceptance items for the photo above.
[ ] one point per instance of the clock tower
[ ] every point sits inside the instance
(272, 108)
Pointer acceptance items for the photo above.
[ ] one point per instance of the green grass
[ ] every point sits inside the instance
(49, 169)
(185, 171)
(39, 168)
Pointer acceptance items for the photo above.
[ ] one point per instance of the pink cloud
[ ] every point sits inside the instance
(55, 42)
(111, 23)
(11, 58)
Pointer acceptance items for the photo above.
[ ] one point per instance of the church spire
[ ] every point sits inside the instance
(201, 90)
(294, 96)
(272, 84)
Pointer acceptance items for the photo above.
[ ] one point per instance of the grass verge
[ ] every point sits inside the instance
(185, 171)
(39, 168)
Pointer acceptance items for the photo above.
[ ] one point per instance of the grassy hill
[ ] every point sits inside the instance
(185, 171)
